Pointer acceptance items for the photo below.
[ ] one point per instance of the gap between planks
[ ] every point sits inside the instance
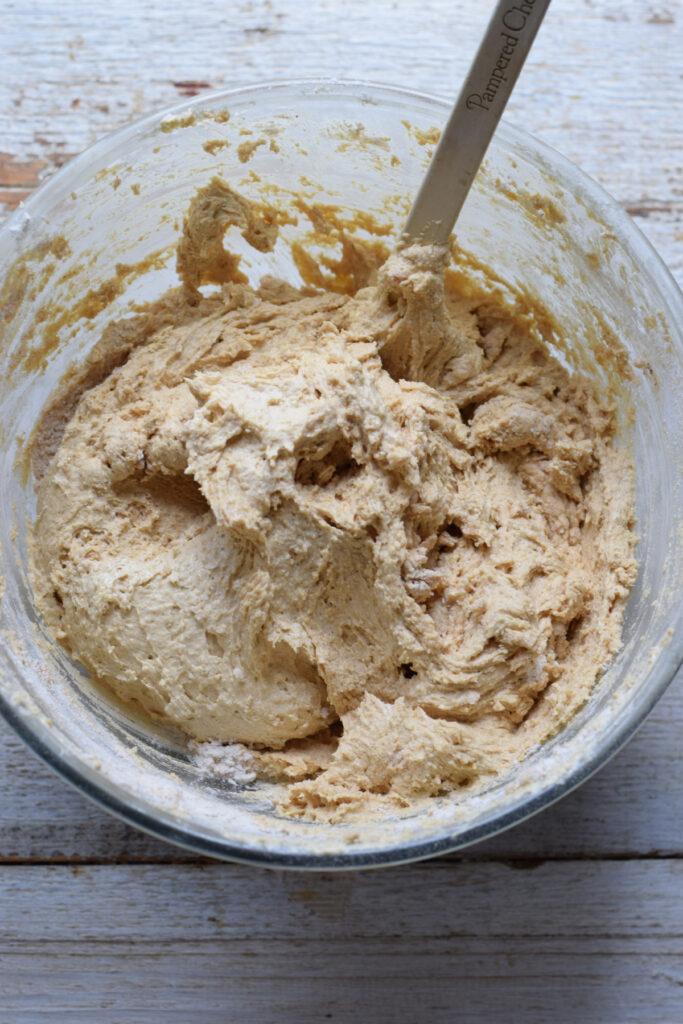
(629, 809)
(599, 942)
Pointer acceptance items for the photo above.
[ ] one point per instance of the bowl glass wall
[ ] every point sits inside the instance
(358, 147)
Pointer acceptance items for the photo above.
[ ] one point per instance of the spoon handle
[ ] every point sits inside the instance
(473, 120)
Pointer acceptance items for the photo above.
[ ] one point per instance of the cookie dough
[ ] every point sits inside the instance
(383, 539)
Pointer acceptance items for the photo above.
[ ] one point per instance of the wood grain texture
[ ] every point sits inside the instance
(129, 930)
(441, 942)
(602, 83)
(632, 808)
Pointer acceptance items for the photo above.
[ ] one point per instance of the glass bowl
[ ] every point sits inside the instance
(544, 232)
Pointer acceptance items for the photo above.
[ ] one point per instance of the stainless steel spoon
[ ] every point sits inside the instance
(473, 120)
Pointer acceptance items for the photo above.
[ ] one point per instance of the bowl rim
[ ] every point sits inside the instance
(659, 677)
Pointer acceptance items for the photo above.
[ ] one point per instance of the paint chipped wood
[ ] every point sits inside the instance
(572, 941)
(131, 930)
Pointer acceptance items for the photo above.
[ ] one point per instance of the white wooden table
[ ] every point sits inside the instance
(574, 916)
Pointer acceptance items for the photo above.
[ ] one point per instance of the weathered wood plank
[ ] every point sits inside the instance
(602, 83)
(565, 942)
(552, 902)
(382, 982)
(473, 939)
(631, 808)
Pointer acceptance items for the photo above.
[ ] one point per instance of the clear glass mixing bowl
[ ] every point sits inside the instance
(363, 147)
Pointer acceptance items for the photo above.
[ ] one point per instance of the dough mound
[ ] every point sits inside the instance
(394, 509)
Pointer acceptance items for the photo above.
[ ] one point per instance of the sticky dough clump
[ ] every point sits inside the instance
(393, 510)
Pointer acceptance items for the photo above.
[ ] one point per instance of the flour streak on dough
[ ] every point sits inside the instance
(393, 510)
